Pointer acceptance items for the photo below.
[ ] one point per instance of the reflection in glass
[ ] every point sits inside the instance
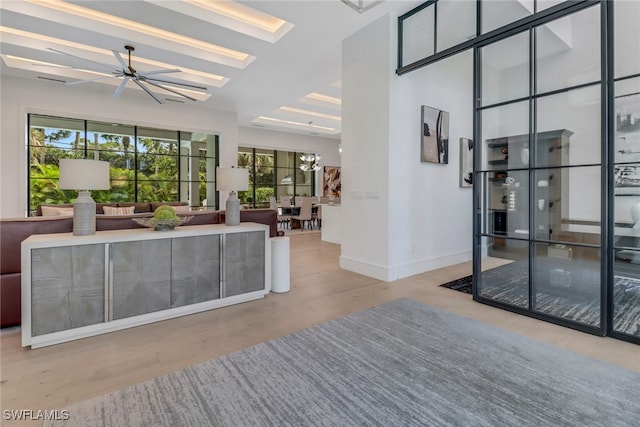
(626, 38)
(626, 280)
(417, 36)
(508, 204)
(505, 271)
(456, 22)
(566, 282)
(496, 13)
(505, 69)
(501, 122)
(578, 112)
(626, 292)
(568, 51)
(627, 111)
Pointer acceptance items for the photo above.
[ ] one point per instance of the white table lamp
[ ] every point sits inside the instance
(84, 175)
(232, 179)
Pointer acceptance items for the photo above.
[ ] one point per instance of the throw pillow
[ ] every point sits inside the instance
(109, 210)
(65, 211)
(56, 210)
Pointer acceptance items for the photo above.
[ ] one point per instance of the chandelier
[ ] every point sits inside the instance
(310, 162)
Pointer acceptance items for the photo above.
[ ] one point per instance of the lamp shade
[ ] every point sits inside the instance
(84, 174)
(232, 179)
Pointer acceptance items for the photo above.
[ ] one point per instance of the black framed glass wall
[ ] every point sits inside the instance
(624, 173)
(147, 164)
(540, 194)
(557, 85)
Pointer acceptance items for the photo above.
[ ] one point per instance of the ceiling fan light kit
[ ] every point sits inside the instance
(140, 78)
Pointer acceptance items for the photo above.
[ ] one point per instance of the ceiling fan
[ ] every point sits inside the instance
(140, 78)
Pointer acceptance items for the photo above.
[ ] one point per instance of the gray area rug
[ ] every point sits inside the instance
(398, 364)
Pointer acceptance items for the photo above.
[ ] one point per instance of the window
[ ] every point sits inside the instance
(146, 164)
(273, 173)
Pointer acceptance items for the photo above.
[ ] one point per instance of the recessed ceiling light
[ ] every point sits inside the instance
(324, 98)
(310, 113)
(216, 53)
(13, 36)
(232, 15)
(296, 125)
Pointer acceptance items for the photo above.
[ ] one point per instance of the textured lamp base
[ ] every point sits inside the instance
(84, 215)
(232, 210)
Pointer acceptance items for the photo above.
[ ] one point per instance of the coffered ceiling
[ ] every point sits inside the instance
(276, 63)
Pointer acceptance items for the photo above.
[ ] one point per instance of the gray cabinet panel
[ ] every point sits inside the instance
(141, 277)
(67, 288)
(195, 270)
(244, 262)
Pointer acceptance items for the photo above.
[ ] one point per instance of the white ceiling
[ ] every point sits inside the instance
(306, 59)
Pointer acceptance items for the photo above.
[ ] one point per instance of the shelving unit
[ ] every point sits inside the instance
(510, 177)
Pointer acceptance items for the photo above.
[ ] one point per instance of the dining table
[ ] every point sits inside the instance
(295, 211)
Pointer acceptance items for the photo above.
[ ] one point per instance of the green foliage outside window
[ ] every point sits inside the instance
(151, 167)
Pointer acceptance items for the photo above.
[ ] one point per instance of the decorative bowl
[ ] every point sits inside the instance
(163, 224)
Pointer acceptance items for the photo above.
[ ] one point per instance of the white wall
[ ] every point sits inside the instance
(366, 74)
(422, 219)
(327, 148)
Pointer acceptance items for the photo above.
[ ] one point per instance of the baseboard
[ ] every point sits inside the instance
(368, 269)
(389, 274)
(422, 266)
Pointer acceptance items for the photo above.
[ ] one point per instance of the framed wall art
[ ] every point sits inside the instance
(331, 181)
(466, 162)
(434, 144)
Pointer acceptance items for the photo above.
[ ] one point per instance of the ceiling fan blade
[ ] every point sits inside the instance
(120, 59)
(105, 66)
(170, 90)
(153, 95)
(77, 82)
(170, 82)
(121, 86)
(162, 71)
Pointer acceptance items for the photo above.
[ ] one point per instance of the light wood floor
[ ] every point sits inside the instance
(52, 377)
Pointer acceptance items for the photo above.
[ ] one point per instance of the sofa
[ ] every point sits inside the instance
(14, 230)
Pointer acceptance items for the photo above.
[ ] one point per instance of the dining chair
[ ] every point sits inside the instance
(305, 215)
(298, 200)
(285, 201)
(283, 219)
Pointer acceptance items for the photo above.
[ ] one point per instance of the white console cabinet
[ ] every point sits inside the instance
(78, 286)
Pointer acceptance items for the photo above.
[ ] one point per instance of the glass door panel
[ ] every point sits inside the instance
(568, 126)
(496, 13)
(505, 69)
(626, 292)
(505, 271)
(626, 38)
(456, 23)
(505, 134)
(566, 282)
(568, 51)
(417, 35)
(626, 178)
